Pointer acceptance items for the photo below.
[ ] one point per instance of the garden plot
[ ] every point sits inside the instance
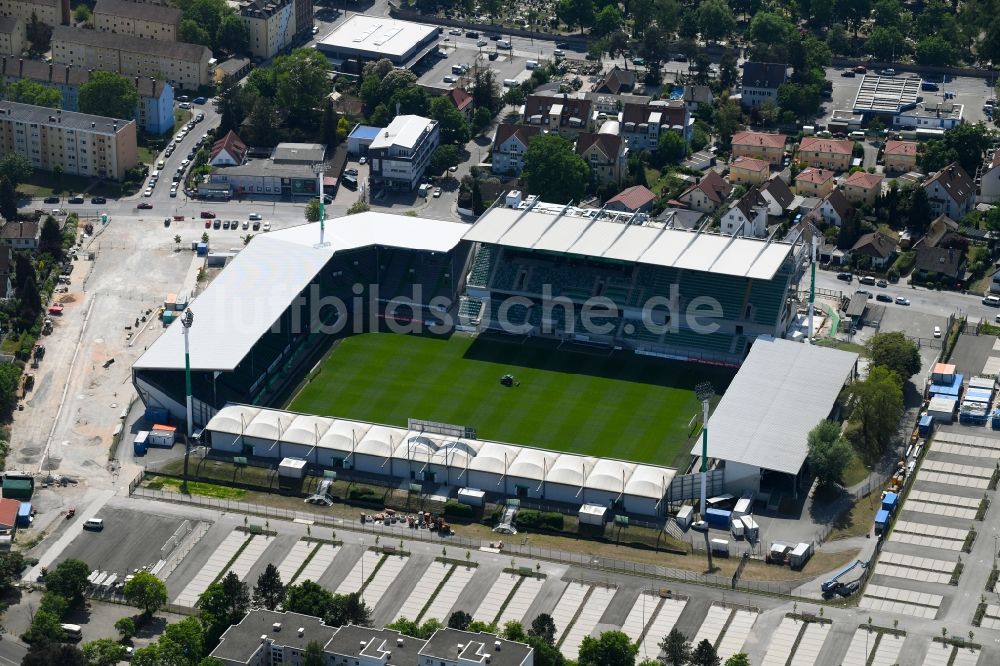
(427, 582)
(362, 569)
(906, 602)
(587, 620)
(932, 536)
(923, 569)
(448, 594)
(241, 567)
(885, 646)
(213, 567)
(737, 632)
(713, 624)
(991, 620)
(294, 559)
(661, 625)
(569, 603)
(319, 563)
(779, 650)
(383, 578)
(524, 596)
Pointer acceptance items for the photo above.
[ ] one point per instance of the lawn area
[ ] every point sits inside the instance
(856, 471)
(196, 488)
(841, 345)
(45, 184)
(147, 155)
(859, 519)
(590, 402)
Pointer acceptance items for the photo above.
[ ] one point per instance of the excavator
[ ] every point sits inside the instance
(834, 586)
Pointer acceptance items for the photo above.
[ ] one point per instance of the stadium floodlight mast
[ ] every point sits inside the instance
(704, 391)
(186, 321)
(319, 169)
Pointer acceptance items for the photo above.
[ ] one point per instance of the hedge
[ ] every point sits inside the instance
(547, 520)
(457, 509)
(364, 494)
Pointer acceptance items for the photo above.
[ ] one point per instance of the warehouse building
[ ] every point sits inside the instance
(414, 454)
(759, 430)
(364, 38)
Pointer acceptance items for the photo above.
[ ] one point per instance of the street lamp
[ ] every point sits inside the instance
(704, 391)
(186, 321)
(319, 169)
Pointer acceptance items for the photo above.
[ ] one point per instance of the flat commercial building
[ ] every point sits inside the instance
(81, 144)
(401, 152)
(365, 38)
(886, 95)
(186, 66)
(154, 112)
(138, 19)
(50, 12)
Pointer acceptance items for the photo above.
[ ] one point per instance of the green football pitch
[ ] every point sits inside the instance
(584, 400)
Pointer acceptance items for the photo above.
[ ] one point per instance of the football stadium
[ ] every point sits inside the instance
(577, 334)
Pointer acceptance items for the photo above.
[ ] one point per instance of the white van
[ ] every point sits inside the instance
(503, 44)
(856, 136)
(73, 631)
(94, 524)
(531, 64)
(509, 83)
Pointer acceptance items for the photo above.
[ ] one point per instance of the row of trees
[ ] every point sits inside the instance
(104, 94)
(214, 24)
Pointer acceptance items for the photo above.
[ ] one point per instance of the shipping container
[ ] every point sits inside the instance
(684, 516)
(800, 555)
(751, 531)
(881, 521)
(157, 414)
(292, 468)
(471, 496)
(926, 425)
(161, 436)
(718, 518)
(720, 547)
(592, 514)
(170, 303)
(743, 506)
(202, 249)
(890, 501)
(736, 527)
(24, 515)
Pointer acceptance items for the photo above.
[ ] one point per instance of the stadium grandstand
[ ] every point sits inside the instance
(281, 302)
(546, 254)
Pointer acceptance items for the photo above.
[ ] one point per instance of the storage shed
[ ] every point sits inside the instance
(18, 487)
(292, 468)
(942, 409)
(592, 514)
(162, 436)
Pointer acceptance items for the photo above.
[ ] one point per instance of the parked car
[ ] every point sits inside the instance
(98, 200)
(246, 225)
(559, 53)
(207, 214)
(888, 71)
(267, 226)
(199, 100)
(905, 301)
(145, 205)
(51, 200)
(937, 331)
(437, 193)
(255, 216)
(217, 224)
(860, 69)
(349, 172)
(225, 224)
(885, 298)
(882, 283)
(208, 224)
(846, 277)
(848, 74)
(256, 226)
(76, 200)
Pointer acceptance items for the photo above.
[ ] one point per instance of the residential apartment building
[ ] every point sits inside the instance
(50, 12)
(270, 638)
(81, 144)
(509, 146)
(760, 82)
(20, 236)
(832, 154)
(154, 113)
(812, 182)
(642, 124)
(606, 155)
(748, 171)
(760, 146)
(862, 188)
(271, 24)
(187, 66)
(123, 17)
(12, 40)
(989, 186)
(951, 192)
(707, 194)
(900, 156)
(834, 209)
(568, 116)
(401, 153)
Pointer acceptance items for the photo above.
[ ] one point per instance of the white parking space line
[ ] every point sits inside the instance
(975, 471)
(736, 635)
(861, 646)
(387, 573)
(715, 620)
(952, 479)
(517, 607)
(912, 574)
(567, 606)
(915, 562)
(212, 568)
(294, 559)
(965, 450)
(319, 563)
(933, 536)
(427, 582)
(888, 650)
(991, 620)
(642, 612)
(959, 512)
(588, 620)
(812, 643)
(489, 607)
(782, 641)
(895, 600)
(441, 606)
(980, 441)
(661, 626)
(938, 654)
(945, 500)
(241, 567)
(362, 569)
(966, 657)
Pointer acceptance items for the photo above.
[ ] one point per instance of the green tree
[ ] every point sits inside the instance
(39, 35)
(676, 647)
(852, 12)
(481, 120)
(553, 170)
(125, 626)
(232, 35)
(544, 627)
(348, 609)
(15, 168)
(12, 562)
(611, 648)
(68, 579)
(672, 148)
(82, 14)
(308, 598)
(49, 653)
(359, 206)
(578, 13)
(607, 20)
(223, 604)
(514, 631)
(190, 32)
(727, 118)
(146, 592)
(207, 14)
(738, 659)
(886, 43)
(109, 94)
(213, 661)
(302, 84)
(269, 590)
(485, 90)
(704, 654)
(803, 100)
(8, 199)
(103, 651)
(546, 654)
(46, 627)
(314, 655)
(27, 91)
(935, 50)
(770, 33)
(715, 19)
(876, 405)
(451, 122)
(183, 643)
(312, 210)
(233, 104)
(893, 350)
(515, 95)
(444, 156)
(918, 211)
(829, 452)
(411, 628)
(50, 238)
(331, 122)
(459, 620)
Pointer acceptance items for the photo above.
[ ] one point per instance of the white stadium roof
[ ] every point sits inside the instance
(780, 393)
(640, 480)
(252, 292)
(577, 232)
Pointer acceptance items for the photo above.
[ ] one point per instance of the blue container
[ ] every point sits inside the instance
(24, 515)
(157, 415)
(881, 521)
(890, 502)
(202, 249)
(718, 518)
(139, 448)
(926, 425)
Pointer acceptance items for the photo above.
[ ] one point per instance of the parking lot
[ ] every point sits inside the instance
(434, 71)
